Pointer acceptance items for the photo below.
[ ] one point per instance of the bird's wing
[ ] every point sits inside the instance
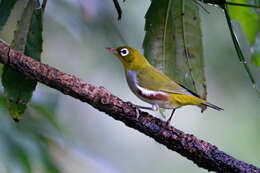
(152, 79)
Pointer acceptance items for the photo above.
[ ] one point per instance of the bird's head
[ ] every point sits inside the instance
(130, 57)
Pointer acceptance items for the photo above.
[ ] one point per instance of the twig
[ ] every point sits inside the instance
(118, 9)
(200, 152)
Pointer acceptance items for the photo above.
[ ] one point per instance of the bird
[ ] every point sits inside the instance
(153, 86)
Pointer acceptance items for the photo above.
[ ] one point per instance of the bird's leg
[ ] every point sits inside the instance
(136, 107)
(167, 124)
(155, 107)
(169, 120)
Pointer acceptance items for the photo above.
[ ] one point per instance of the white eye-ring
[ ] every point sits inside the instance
(124, 52)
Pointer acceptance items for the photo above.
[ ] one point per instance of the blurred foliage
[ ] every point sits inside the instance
(247, 18)
(255, 48)
(1, 69)
(250, 28)
(25, 146)
(173, 42)
(256, 59)
(27, 39)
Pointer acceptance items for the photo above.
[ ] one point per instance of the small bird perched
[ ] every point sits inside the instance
(154, 87)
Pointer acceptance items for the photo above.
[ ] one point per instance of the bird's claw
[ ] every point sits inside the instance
(129, 103)
(137, 109)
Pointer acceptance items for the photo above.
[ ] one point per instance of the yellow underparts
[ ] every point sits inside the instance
(178, 100)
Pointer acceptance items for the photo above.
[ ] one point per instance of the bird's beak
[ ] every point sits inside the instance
(113, 50)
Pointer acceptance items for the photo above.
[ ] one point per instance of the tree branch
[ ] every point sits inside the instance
(202, 153)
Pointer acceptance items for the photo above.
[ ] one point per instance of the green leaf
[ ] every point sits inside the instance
(34, 38)
(28, 39)
(247, 17)
(239, 51)
(5, 9)
(49, 164)
(1, 69)
(48, 114)
(162, 112)
(256, 59)
(2, 100)
(173, 42)
(17, 154)
(22, 28)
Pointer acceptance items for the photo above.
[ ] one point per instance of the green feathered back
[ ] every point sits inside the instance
(152, 79)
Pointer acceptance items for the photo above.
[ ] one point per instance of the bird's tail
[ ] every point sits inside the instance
(213, 106)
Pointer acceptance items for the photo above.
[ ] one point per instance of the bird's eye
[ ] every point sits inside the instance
(124, 52)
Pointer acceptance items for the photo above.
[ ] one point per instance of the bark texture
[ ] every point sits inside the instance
(202, 153)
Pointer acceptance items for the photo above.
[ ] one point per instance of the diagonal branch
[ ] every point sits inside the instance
(200, 152)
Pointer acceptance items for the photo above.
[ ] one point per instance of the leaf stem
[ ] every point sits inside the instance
(118, 9)
(238, 50)
(44, 3)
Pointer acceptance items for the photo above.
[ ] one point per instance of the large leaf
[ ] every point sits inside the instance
(247, 17)
(173, 42)
(28, 39)
(5, 9)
